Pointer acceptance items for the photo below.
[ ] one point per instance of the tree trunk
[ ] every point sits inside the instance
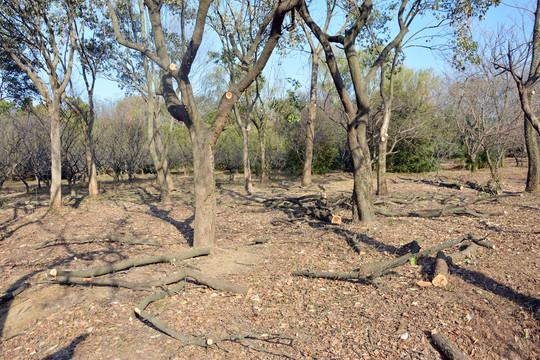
(312, 114)
(247, 163)
(245, 128)
(382, 186)
(56, 158)
(168, 176)
(93, 190)
(362, 197)
(531, 142)
(205, 196)
(262, 143)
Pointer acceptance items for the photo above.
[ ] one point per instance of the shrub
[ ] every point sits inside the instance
(413, 156)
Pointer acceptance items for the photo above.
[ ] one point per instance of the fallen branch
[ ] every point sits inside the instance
(10, 295)
(440, 274)
(139, 310)
(462, 254)
(331, 275)
(186, 273)
(91, 238)
(488, 189)
(379, 268)
(199, 277)
(438, 183)
(130, 263)
(389, 264)
(429, 213)
(446, 347)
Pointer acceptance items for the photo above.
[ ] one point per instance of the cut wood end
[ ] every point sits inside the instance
(228, 95)
(137, 311)
(53, 272)
(249, 292)
(173, 67)
(336, 219)
(440, 280)
(209, 342)
(423, 283)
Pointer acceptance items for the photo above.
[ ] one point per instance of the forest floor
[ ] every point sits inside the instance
(486, 310)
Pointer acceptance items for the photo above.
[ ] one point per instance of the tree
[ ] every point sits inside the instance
(126, 65)
(184, 107)
(38, 35)
(15, 85)
(315, 59)
(358, 110)
(238, 32)
(521, 58)
(93, 50)
(387, 98)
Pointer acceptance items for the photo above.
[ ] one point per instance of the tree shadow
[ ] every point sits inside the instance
(67, 352)
(184, 227)
(367, 240)
(4, 234)
(486, 283)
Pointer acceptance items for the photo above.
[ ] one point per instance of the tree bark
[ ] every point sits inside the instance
(205, 195)
(531, 143)
(93, 189)
(440, 274)
(447, 348)
(312, 114)
(363, 187)
(56, 157)
(382, 185)
(262, 144)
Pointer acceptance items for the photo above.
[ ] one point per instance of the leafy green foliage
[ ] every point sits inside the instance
(414, 156)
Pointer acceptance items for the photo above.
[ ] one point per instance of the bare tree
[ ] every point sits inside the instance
(37, 34)
(127, 64)
(315, 59)
(185, 108)
(521, 58)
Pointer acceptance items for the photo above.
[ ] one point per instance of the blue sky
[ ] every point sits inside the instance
(296, 65)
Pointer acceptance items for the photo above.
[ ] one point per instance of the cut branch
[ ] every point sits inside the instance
(92, 238)
(130, 263)
(447, 348)
(379, 268)
(429, 213)
(440, 275)
(186, 273)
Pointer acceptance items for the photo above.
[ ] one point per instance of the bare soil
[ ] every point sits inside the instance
(487, 309)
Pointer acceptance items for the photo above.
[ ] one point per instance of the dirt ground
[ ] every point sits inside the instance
(486, 310)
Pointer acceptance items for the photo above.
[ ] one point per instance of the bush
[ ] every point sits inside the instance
(415, 156)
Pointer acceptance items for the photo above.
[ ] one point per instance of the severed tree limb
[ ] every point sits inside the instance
(354, 243)
(130, 263)
(12, 294)
(378, 269)
(148, 285)
(483, 243)
(375, 266)
(440, 274)
(429, 213)
(486, 189)
(462, 254)
(99, 282)
(331, 275)
(389, 264)
(447, 348)
(210, 282)
(92, 238)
